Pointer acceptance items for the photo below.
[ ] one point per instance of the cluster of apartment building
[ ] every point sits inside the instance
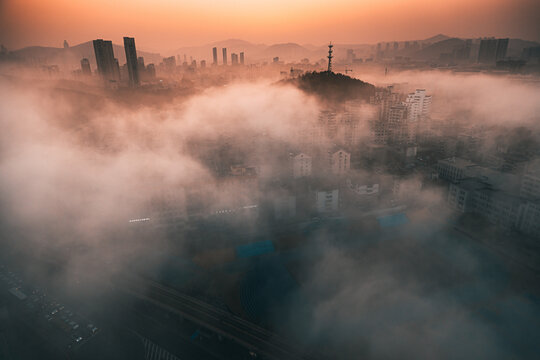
(400, 118)
(511, 201)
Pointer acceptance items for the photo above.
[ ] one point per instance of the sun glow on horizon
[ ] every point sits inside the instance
(165, 24)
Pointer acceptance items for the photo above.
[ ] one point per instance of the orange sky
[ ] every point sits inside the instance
(163, 25)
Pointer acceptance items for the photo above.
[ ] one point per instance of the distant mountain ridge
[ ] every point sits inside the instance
(437, 38)
(72, 56)
(433, 51)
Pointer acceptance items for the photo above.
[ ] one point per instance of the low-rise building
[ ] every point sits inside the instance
(474, 195)
(461, 195)
(361, 188)
(327, 201)
(530, 186)
(454, 169)
(530, 219)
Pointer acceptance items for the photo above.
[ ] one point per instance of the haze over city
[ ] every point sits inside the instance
(269, 179)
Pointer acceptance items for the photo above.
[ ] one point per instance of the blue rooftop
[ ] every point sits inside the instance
(392, 220)
(254, 249)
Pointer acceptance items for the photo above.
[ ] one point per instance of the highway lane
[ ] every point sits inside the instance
(220, 321)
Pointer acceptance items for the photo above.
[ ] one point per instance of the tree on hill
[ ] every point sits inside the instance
(333, 87)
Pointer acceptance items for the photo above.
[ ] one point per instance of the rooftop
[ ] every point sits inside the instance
(392, 220)
(457, 162)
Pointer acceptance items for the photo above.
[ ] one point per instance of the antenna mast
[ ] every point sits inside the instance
(330, 46)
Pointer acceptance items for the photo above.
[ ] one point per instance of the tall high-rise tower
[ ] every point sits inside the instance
(502, 48)
(105, 60)
(224, 56)
(214, 55)
(242, 58)
(330, 46)
(487, 51)
(140, 64)
(131, 61)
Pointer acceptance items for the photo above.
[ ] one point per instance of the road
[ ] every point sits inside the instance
(247, 334)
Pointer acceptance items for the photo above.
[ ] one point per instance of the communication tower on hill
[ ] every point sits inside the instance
(330, 51)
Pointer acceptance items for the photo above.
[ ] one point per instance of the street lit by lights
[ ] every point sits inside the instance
(225, 211)
(139, 220)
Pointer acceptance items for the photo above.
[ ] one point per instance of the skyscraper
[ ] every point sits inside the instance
(224, 56)
(492, 50)
(234, 59)
(151, 71)
(214, 55)
(418, 105)
(85, 67)
(502, 47)
(106, 64)
(463, 53)
(397, 128)
(116, 69)
(140, 63)
(143, 75)
(131, 61)
(66, 45)
(170, 64)
(487, 51)
(242, 58)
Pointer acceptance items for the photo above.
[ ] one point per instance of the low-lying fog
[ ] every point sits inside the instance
(75, 167)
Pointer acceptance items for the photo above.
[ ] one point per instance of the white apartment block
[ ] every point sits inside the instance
(301, 165)
(327, 201)
(418, 105)
(339, 161)
(363, 188)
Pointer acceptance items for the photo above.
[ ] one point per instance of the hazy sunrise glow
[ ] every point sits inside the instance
(164, 25)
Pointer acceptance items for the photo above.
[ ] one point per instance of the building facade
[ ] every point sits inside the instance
(301, 165)
(339, 162)
(132, 61)
(454, 169)
(224, 51)
(107, 65)
(85, 67)
(214, 56)
(327, 201)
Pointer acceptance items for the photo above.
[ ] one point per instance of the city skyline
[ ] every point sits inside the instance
(166, 26)
(352, 180)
